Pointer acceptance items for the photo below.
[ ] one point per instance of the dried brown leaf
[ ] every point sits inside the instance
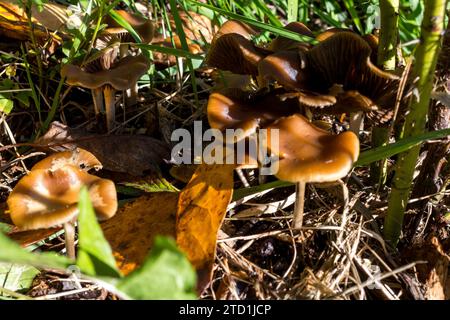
(131, 154)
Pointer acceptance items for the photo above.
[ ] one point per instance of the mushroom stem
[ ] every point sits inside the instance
(131, 95)
(97, 95)
(241, 176)
(356, 120)
(110, 104)
(123, 50)
(299, 204)
(69, 230)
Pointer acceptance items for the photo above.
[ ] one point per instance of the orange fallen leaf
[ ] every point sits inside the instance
(132, 230)
(202, 205)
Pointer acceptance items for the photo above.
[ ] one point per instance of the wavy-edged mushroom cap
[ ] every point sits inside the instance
(78, 157)
(233, 109)
(143, 27)
(233, 52)
(121, 76)
(282, 43)
(309, 154)
(48, 198)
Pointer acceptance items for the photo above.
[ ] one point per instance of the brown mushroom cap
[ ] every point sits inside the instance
(78, 157)
(282, 43)
(344, 58)
(48, 198)
(233, 52)
(236, 27)
(233, 109)
(232, 49)
(286, 67)
(142, 26)
(121, 76)
(309, 154)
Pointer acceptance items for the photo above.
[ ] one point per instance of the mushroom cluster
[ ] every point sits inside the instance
(48, 196)
(112, 66)
(336, 76)
(115, 65)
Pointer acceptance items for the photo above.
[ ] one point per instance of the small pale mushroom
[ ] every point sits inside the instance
(120, 76)
(309, 154)
(48, 197)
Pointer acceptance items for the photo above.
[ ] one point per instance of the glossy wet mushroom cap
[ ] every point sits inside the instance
(234, 109)
(285, 67)
(48, 198)
(309, 154)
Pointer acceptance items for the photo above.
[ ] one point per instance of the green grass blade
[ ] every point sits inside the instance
(392, 149)
(261, 25)
(292, 12)
(350, 6)
(124, 24)
(167, 50)
(184, 45)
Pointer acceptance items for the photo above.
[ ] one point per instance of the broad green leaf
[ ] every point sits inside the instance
(6, 105)
(13, 253)
(165, 274)
(24, 97)
(94, 255)
(16, 277)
